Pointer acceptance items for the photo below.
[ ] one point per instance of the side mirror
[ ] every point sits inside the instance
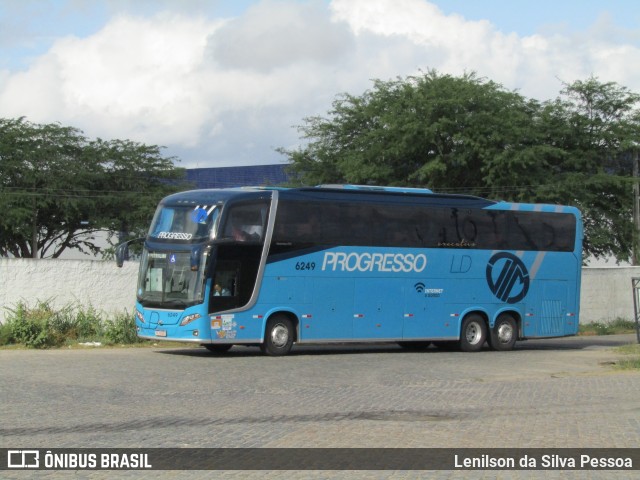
(195, 258)
(122, 253)
(122, 250)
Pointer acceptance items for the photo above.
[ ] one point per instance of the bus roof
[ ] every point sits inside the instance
(376, 188)
(348, 192)
(388, 195)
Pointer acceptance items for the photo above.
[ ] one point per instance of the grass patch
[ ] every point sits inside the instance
(631, 360)
(614, 327)
(43, 326)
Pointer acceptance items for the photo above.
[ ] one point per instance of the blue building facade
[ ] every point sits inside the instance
(230, 177)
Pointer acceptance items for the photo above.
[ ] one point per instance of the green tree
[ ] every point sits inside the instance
(470, 135)
(580, 155)
(435, 130)
(58, 188)
(604, 130)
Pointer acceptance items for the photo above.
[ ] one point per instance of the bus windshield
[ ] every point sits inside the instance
(184, 223)
(168, 279)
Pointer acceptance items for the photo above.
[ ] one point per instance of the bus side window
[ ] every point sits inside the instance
(225, 279)
(245, 223)
(469, 230)
(547, 236)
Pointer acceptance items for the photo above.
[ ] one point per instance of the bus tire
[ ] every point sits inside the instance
(278, 336)
(473, 333)
(504, 333)
(218, 347)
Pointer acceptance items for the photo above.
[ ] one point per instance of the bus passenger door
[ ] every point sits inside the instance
(377, 312)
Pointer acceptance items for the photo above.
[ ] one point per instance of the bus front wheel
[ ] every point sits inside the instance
(473, 333)
(504, 333)
(278, 336)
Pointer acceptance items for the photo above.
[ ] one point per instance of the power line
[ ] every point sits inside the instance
(100, 195)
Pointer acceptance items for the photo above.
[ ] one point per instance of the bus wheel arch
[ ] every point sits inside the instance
(474, 332)
(504, 333)
(279, 334)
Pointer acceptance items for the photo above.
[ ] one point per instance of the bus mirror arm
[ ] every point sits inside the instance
(122, 250)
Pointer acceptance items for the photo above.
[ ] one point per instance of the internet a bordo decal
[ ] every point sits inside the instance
(508, 277)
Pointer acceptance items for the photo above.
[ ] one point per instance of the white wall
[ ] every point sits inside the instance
(606, 291)
(62, 282)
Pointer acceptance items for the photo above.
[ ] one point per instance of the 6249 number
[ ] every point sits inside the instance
(305, 265)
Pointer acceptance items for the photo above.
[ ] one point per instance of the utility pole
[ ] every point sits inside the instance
(34, 225)
(636, 208)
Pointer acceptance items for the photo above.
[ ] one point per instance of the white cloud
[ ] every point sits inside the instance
(531, 64)
(228, 91)
(276, 34)
(136, 78)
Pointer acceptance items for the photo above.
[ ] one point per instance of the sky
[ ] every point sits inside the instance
(227, 82)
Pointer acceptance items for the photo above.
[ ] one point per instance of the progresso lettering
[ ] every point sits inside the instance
(175, 235)
(374, 262)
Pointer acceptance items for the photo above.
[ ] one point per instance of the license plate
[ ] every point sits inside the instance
(161, 333)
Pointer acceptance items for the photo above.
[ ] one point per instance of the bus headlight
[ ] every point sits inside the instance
(189, 318)
(139, 315)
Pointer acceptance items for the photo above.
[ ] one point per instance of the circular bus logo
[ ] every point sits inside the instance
(507, 277)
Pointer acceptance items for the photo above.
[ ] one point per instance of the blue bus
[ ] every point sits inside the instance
(275, 267)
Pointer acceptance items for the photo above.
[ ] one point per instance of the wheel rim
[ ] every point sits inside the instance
(505, 333)
(279, 336)
(473, 333)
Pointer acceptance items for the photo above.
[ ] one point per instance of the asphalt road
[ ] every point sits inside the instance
(546, 393)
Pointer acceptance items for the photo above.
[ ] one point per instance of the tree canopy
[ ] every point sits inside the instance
(58, 188)
(469, 135)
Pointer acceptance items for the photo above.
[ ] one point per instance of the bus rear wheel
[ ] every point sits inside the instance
(504, 333)
(473, 333)
(278, 336)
